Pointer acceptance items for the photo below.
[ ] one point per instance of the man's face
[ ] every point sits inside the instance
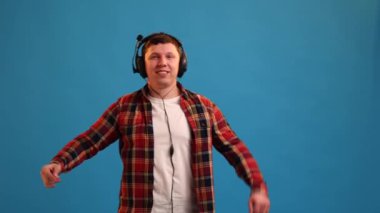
(161, 65)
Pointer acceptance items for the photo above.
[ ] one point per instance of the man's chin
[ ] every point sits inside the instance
(163, 83)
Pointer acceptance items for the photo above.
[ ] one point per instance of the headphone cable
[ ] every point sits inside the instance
(171, 149)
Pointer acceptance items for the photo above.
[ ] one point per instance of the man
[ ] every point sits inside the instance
(166, 134)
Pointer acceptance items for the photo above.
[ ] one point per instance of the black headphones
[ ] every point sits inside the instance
(138, 63)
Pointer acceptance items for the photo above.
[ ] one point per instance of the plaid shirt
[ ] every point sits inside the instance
(130, 120)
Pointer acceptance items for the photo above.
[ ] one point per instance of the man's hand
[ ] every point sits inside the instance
(259, 202)
(50, 174)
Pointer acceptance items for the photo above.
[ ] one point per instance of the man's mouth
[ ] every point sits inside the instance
(162, 71)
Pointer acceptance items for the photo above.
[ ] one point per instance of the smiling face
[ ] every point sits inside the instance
(162, 65)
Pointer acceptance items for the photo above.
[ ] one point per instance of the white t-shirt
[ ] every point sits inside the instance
(165, 176)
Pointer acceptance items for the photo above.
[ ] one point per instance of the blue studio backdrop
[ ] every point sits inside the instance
(297, 80)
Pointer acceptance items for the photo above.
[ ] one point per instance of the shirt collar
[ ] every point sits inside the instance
(182, 90)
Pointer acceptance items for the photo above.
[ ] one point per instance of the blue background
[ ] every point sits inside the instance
(298, 81)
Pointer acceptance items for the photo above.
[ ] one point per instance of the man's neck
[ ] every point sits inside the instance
(165, 92)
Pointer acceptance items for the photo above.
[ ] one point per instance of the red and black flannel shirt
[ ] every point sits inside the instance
(129, 119)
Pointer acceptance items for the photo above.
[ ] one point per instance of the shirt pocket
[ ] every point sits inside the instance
(134, 130)
(202, 135)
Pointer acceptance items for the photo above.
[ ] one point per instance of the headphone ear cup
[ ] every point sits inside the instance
(182, 64)
(140, 65)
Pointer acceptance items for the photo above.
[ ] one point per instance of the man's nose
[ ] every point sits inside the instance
(162, 61)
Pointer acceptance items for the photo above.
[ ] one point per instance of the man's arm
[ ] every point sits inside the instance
(101, 134)
(238, 155)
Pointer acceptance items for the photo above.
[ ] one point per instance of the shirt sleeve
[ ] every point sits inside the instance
(101, 134)
(235, 151)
